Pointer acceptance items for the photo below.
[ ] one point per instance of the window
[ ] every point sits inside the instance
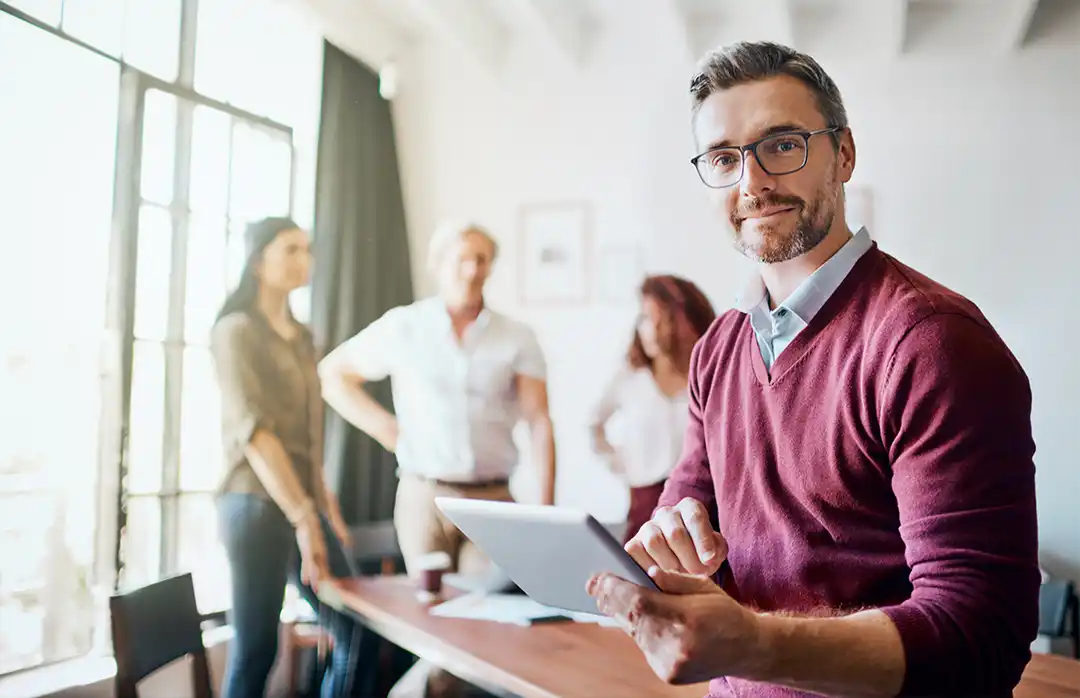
(56, 181)
(93, 495)
(189, 252)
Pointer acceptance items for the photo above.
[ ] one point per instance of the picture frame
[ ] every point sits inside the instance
(554, 253)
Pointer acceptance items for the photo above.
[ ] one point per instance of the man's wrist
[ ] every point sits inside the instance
(764, 647)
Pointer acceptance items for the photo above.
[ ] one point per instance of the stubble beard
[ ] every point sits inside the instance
(773, 247)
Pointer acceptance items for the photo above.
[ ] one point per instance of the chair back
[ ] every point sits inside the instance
(375, 547)
(154, 626)
(1055, 598)
(1059, 612)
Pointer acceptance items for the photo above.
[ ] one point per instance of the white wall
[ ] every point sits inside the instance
(974, 165)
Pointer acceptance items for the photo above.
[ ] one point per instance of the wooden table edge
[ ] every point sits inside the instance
(428, 646)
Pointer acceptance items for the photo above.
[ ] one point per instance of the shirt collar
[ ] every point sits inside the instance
(806, 300)
(441, 316)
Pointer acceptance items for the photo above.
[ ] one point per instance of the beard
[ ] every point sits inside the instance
(774, 246)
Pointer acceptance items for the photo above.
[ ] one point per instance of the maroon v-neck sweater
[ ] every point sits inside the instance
(887, 463)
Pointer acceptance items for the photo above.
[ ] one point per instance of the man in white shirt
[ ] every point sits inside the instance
(462, 377)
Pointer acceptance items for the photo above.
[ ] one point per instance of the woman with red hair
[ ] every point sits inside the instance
(648, 395)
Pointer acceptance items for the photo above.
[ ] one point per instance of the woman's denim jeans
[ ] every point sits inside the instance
(263, 556)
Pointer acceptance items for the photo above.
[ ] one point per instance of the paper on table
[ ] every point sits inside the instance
(500, 608)
(507, 608)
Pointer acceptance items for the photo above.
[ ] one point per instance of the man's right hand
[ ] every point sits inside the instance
(679, 539)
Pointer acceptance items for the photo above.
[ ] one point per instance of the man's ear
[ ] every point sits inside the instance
(845, 156)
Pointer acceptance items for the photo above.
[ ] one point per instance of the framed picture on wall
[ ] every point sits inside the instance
(553, 254)
(620, 270)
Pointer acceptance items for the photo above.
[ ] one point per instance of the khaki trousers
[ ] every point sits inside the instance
(422, 529)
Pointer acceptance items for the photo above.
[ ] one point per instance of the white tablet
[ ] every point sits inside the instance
(550, 552)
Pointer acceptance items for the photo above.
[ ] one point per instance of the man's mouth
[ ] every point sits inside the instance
(769, 212)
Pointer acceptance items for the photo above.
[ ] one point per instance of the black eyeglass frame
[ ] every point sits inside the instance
(752, 149)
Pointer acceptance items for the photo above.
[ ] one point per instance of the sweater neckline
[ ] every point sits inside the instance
(804, 340)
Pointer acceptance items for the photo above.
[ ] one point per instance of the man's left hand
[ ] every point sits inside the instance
(690, 631)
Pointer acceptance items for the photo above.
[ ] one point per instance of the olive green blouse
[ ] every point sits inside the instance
(268, 382)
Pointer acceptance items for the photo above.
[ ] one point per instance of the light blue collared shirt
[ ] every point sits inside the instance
(775, 329)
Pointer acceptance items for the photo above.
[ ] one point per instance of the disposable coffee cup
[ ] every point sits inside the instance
(430, 569)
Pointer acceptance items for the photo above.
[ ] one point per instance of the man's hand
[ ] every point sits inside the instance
(690, 631)
(679, 539)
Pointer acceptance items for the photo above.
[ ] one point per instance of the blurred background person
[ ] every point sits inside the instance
(278, 520)
(648, 393)
(463, 376)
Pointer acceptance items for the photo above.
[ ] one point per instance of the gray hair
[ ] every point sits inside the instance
(746, 61)
(451, 231)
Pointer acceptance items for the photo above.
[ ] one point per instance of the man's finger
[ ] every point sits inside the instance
(710, 546)
(678, 540)
(678, 583)
(636, 549)
(655, 540)
(615, 597)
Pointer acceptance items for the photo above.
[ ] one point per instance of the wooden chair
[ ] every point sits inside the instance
(302, 634)
(1059, 612)
(154, 626)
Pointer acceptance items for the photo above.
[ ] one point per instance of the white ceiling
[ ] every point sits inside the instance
(377, 30)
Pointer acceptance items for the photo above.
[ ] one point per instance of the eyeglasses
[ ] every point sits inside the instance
(779, 154)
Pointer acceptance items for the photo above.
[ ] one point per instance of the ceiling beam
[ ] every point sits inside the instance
(682, 26)
(469, 25)
(565, 24)
(356, 29)
(1018, 17)
(898, 26)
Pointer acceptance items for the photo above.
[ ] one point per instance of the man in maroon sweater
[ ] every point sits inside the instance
(859, 456)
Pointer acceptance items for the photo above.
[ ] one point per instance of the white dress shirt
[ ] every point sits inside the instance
(648, 426)
(456, 402)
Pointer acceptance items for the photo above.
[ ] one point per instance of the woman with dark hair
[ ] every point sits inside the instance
(648, 394)
(277, 519)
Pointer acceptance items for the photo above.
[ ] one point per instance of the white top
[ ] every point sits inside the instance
(651, 425)
(456, 403)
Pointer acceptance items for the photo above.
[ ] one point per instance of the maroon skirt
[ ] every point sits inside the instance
(643, 501)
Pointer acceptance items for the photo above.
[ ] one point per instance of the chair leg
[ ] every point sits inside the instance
(291, 668)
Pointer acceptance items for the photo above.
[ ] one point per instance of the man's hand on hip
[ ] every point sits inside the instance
(690, 631)
(679, 539)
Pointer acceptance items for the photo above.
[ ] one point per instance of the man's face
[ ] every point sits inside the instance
(465, 267)
(775, 218)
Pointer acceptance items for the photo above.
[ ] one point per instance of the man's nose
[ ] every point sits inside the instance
(755, 180)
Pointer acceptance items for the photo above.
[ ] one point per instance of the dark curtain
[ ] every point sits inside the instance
(361, 261)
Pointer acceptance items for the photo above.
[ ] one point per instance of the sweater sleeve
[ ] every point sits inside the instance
(956, 420)
(692, 476)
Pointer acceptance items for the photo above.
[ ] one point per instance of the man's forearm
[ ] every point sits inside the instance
(356, 406)
(858, 656)
(542, 436)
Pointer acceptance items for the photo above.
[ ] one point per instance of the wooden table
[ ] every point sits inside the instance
(564, 659)
(1050, 676)
(546, 660)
